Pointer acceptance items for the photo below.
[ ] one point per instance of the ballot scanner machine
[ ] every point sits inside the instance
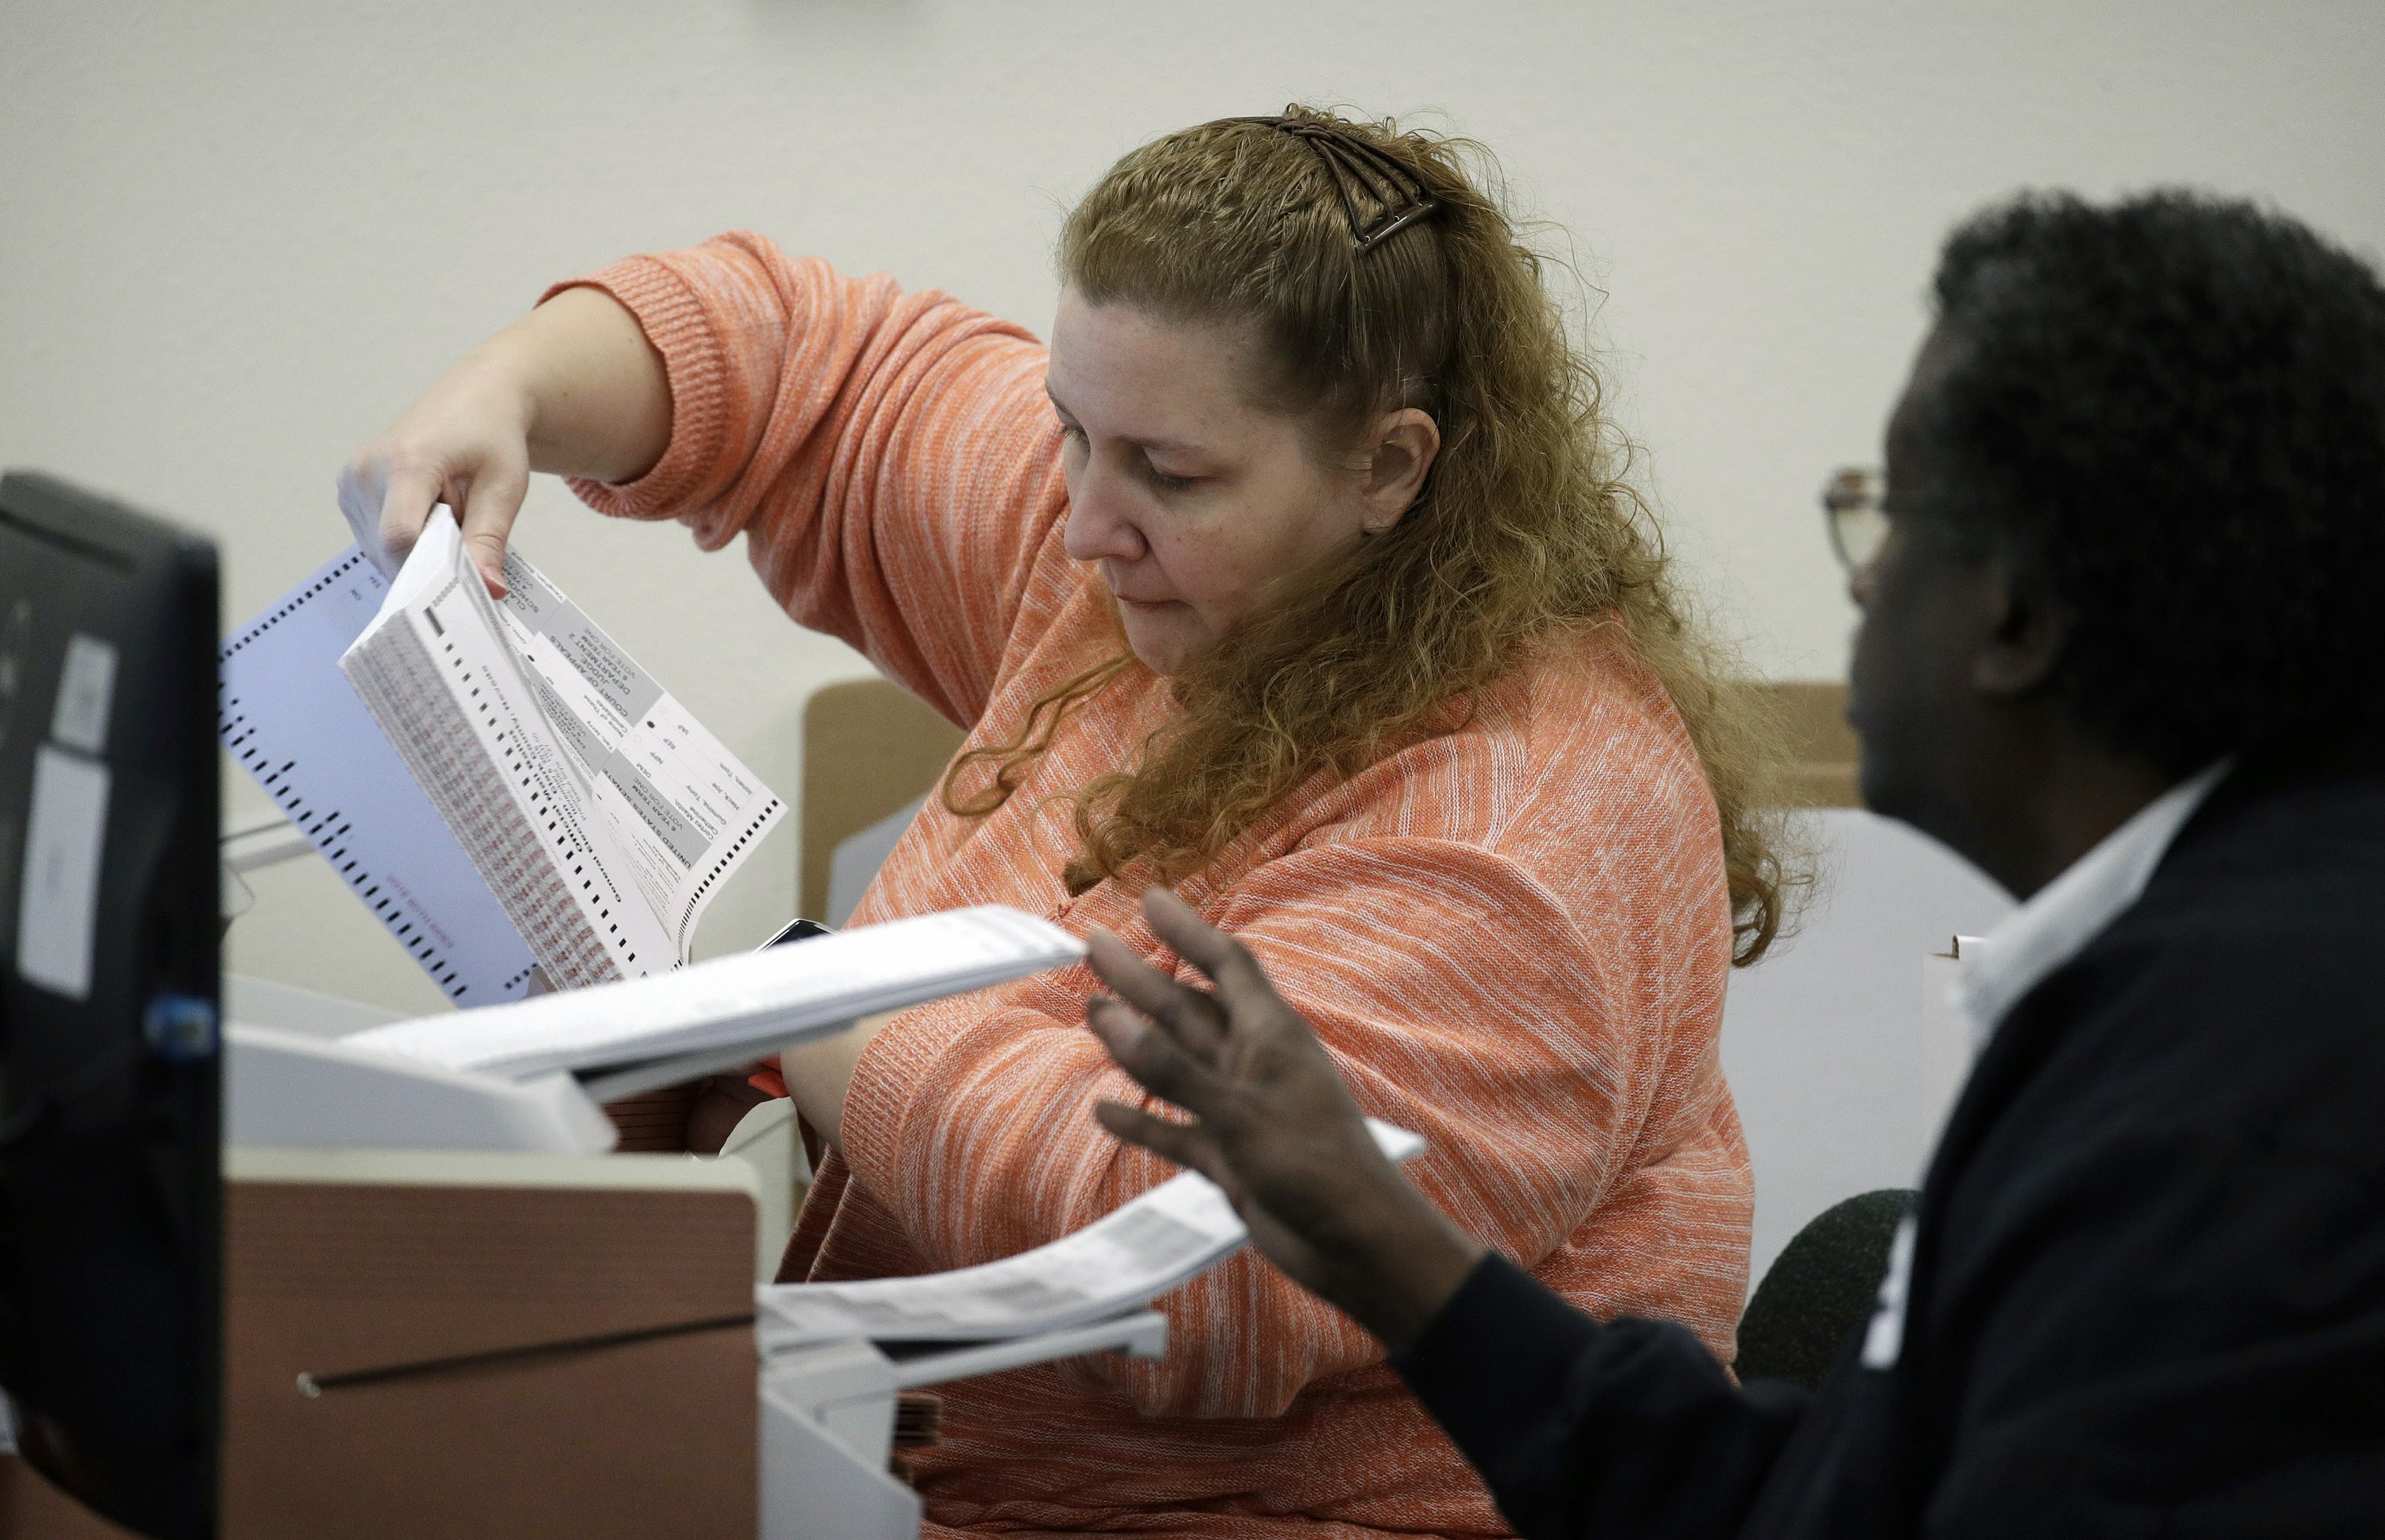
(832, 1358)
(826, 1400)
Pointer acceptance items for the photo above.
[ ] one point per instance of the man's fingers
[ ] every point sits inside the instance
(1182, 1144)
(1158, 1063)
(487, 518)
(1241, 984)
(1191, 1017)
(1135, 980)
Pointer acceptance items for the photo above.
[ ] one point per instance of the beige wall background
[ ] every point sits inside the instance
(235, 237)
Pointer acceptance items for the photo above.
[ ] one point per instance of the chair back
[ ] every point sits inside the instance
(1821, 1290)
(870, 748)
(1819, 747)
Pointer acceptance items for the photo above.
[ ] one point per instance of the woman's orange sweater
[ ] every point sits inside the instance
(1513, 938)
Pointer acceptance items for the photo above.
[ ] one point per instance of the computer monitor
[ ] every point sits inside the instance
(110, 1176)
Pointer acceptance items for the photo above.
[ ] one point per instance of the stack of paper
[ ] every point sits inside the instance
(293, 723)
(752, 1000)
(1116, 1264)
(601, 815)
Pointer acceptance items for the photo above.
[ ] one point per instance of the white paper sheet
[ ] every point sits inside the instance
(684, 809)
(437, 671)
(602, 816)
(762, 998)
(294, 723)
(66, 833)
(1118, 1263)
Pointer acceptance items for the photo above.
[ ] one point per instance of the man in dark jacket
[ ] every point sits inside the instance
(2121, 646)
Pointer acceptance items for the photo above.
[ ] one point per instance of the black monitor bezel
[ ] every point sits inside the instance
(110, 1116)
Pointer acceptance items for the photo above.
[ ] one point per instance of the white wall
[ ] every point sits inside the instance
(1822, 1040)
(236, 236)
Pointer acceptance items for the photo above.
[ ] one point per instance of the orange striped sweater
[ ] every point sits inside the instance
(1513, 939)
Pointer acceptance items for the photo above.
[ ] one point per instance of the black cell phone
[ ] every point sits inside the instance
(796, 930)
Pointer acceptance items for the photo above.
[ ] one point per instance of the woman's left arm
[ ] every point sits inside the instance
(1458, 998)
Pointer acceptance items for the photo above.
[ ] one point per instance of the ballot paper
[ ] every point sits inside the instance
(760, 1000)
(1118, 1263)
(292, 719)
(599, 813)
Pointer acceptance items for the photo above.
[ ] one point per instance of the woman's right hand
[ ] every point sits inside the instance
(574, 387)
(465, 442)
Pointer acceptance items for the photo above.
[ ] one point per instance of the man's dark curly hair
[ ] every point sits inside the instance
(2169, 414)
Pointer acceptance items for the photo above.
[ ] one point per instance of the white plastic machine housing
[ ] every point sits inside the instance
(827, 1421)
(827, 1408)
(289, 1088)
(290, 1080)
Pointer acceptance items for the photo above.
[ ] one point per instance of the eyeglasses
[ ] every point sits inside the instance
(1853, 507)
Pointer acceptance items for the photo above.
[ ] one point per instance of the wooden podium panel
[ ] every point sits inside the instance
(346, 1261)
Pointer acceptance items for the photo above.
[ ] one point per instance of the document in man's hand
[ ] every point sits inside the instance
(752, 1000)
(601, 815)
(1121, 1262)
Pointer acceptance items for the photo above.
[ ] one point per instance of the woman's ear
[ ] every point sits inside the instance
(1400, 453)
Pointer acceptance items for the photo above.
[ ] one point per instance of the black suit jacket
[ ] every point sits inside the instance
(2148, 1290)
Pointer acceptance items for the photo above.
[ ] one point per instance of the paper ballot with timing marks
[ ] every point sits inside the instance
(601, 814)
(288, 715)
(592, 812)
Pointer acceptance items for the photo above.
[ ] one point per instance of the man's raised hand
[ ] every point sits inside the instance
(1273, 1125)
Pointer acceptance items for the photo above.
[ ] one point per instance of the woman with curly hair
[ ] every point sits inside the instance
(1296, 575)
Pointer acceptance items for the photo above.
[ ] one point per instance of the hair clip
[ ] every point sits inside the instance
(1354, 164)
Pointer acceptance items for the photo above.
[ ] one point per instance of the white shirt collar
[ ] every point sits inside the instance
(2058, 923)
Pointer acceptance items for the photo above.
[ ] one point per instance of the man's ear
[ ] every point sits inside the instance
(1400, 452)
(2024, 640)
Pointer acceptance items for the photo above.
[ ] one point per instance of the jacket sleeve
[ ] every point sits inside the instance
(1628, 1430)
(890, 459)
(1454, 995)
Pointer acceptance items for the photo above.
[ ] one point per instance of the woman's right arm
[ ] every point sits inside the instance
(574, 387)
(891, 457)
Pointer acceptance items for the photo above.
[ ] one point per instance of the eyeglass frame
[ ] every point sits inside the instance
(1855, 515)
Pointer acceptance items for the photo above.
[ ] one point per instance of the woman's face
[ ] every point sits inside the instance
(1193, 503)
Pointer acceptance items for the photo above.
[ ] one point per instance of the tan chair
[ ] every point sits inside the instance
(1820, 771)
(870, 748)
(30, 1509)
